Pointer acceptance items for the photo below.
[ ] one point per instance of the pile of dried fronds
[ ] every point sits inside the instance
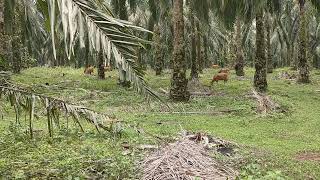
(185, 159)
(288, 76)
(55, 110)
(264, 103)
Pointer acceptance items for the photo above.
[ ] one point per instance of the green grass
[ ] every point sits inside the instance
(272, 141)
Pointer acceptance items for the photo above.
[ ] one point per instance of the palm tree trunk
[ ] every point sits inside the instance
(260, 77)
(205, 49)
(2, 39)
(178, 91)
(239, 54)
(198, 41)
(16, 60)
(3, 63)
(123, 13)
(158, 50)
(269, 53)
(16, 42)
(194, 64)
(101, 72)
(303, 63)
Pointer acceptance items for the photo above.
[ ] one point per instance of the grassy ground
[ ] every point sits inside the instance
(272, 141)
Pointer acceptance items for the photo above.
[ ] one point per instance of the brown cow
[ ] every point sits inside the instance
(215, 66)
(224, 70)
(220, 77)
(89, 70)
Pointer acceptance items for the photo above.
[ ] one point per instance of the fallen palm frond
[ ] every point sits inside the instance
(53, 108)
(219, 112)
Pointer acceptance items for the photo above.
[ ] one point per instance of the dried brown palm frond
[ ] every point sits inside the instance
(32, 103)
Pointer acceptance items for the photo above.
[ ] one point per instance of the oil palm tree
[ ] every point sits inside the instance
(268, 43)
(194, 57)
(158, 50)
(288, 24)
(260, 79)
(232, 14)
(315, 41)
(239, 50)
(257, 9)
(178, 91)
(303, 62)
(249, 10)
(12, 29)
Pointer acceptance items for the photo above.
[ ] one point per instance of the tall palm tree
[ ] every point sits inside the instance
(249, 10)
(205, 48)
(198, 41)
(260, 77)
(194, 63)
(239, 51)
(201, 10)
(178, 91)
(158, 50)
(268, 43)
(13, 29)
(232, 13)
(16, 40)
(257, 8)
(303, 66)
(288, 23)
(303, 63)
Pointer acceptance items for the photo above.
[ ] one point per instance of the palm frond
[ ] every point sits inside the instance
(54, 108)
(111, 36)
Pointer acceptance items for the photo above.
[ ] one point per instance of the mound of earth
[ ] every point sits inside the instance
(187, 159)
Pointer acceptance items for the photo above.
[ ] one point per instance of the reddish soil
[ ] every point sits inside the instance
(308, 156)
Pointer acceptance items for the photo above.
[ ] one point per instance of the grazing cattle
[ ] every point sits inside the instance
(215, 66)
(224, 70)
(220, 77)
(89, 70)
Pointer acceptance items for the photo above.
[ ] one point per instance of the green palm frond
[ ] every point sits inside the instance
(106, 34)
